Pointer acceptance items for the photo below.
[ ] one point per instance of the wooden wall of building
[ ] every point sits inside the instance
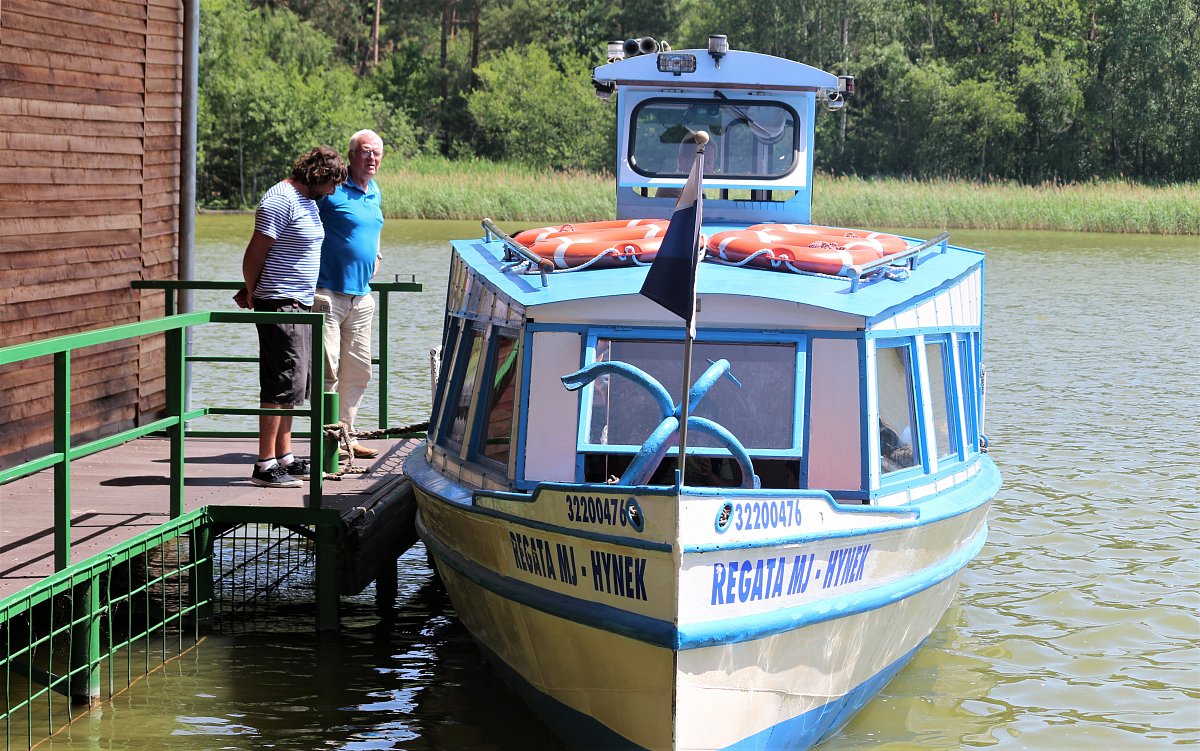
(90, 124)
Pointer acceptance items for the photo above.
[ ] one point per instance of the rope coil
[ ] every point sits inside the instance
(341, 433)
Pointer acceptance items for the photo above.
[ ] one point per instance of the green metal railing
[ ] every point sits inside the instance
(172, 291)
(64, 637)
(174, 424)
(57, 634)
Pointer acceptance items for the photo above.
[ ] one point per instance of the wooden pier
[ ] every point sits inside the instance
(123, 491)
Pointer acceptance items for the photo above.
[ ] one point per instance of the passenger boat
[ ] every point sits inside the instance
(834, 483)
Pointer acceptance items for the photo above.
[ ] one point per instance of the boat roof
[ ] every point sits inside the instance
(736, 69)
(878, 299)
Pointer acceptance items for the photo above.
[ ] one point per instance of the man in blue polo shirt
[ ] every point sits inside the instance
(353, 219)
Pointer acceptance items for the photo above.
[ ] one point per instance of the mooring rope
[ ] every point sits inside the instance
(341, 433)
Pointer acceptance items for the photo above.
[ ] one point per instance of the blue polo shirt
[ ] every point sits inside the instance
(353, 219)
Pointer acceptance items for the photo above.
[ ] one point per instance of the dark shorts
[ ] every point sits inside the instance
(284, 355)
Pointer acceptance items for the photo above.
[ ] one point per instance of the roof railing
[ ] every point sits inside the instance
(911, 258)
(514, 250)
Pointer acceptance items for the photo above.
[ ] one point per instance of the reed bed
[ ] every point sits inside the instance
(1108, 206)
(436, 188)
(429, 188)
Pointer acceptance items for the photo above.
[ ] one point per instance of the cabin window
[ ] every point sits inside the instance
(898, 444)
(748, 139)
(449, 346)
(941, 391)
(757, 405)
(970, 391)
(464, 372)
(501, 398)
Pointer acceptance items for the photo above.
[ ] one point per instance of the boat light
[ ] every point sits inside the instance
(718, 45)
(676, 62)
(616, 51)
(846, 85)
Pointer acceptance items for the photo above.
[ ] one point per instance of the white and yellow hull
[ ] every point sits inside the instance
(670, 628)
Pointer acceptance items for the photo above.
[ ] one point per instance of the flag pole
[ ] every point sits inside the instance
(690, 335)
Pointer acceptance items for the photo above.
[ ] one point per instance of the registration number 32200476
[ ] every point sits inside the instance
(765, 515)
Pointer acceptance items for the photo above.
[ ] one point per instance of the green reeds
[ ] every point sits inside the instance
(438, 188)
(1102, 206)
(434, 188)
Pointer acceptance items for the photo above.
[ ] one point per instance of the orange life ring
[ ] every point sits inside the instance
(623, 229)
(805, 247)
(622, 242)
(570, 252)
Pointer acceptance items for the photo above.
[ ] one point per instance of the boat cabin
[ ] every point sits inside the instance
(865, 384)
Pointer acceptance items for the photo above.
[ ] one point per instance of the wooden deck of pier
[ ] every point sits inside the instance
(121, 492)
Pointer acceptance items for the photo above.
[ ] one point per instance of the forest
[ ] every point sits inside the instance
(1026, 91)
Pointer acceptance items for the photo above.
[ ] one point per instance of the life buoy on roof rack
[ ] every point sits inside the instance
(624, 242)
(803, 247)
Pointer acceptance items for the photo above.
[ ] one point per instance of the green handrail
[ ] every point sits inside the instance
(172, 292)
(174, 327)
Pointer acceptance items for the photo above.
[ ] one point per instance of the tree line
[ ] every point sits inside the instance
(1028, 90)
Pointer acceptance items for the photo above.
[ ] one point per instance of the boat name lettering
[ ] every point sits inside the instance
(766, 514)
(591, 510)
(759, 579)
(619, 574)
(845, 565)
(532, 555)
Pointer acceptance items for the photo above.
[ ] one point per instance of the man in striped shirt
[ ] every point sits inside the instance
(280, 269)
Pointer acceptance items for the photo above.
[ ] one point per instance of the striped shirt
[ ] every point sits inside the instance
(294, 259)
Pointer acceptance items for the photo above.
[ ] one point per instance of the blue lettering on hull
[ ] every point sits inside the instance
(739, 581)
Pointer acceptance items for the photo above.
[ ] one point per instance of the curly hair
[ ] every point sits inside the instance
(319, 166)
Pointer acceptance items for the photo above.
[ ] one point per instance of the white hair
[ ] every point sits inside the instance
(364, 135)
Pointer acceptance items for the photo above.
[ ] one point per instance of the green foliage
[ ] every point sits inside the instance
(1029, 90)
(528, 110)
(269, 91)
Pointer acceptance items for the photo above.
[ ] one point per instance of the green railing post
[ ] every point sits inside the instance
(327, 597)
(202, 574)
(176, 396)
(332, 408)
(383, 359)
(62, 469)
(316, 441)
(84, 665)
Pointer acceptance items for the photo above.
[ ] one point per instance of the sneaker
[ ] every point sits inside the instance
(298, 468)
(275, 477)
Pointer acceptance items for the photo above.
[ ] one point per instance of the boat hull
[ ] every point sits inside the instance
(680, 635)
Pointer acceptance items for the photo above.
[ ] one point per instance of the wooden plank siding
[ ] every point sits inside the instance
(90, 133)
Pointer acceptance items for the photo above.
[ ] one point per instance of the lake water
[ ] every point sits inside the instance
(1076, 628)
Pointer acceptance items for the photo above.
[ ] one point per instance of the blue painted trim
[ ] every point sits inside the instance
(816, 725)
(866, 394)
(573, 532)
(735, 630)
(806, 416)
(523, 406)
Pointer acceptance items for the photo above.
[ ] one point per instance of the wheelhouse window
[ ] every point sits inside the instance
(757, 404)
(898, 444)
(748, 140)
(941, 393)
(501, 398)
